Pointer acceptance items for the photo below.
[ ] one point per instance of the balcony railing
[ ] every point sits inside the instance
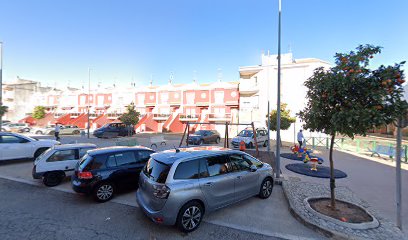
(248, 86)
(189, 117)
(219, 117)
(161, 116)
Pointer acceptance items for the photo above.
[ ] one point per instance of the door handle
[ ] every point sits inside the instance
(239, 177)
(66, 167)
(208, 184)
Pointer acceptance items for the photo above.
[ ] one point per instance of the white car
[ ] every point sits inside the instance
(16, 146)
(247, 135)
(59, 162)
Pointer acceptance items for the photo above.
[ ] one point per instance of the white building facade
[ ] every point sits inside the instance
(258, 84)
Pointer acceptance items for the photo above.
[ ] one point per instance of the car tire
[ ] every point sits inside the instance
(39, 152)
(76, 132)
(39, 132)
(51, 133)
(190, 216)
(266, 188)
(104, 192)
(201, 142)
(250, 145)
(217, 140)
(265, 143)
(52, 179)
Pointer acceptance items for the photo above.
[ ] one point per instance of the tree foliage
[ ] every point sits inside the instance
(286, 119)
(39, 112)
(349, 98)
(3, 110)
(131, 117)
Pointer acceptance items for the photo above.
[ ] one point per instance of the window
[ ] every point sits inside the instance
(156, 171)
(253, 161)
(62, 155)
(219, 97)
(217, 165)
(187, 170)
(111, 161)
(143, 156)
(12, 139)
(164, 98)
(203, 168)
(124, 158)
(190, 97)
(83, 151)
(239, 163)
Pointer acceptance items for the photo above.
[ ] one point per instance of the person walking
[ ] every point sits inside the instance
(300, 138)
(57, 131)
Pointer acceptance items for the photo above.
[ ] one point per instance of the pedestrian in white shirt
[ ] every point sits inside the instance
(300, 138)
(57, 131)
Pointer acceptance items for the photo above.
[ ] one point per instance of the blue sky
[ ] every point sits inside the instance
(56, 41)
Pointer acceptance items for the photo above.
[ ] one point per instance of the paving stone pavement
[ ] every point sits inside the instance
(297, 191)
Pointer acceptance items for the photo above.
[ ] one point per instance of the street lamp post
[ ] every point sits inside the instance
(89, 98)
(1, 82)
(278, 118)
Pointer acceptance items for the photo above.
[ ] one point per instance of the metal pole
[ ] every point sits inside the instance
(269, 128)
(398, 173)
(89, 97)
(278, 103)
(1, 81)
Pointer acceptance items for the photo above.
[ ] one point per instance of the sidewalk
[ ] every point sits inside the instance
(371, 180)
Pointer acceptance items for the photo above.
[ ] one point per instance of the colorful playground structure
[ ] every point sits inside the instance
(304, 154)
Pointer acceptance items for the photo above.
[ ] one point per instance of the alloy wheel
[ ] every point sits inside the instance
(191, 217)
(104, 192)
(267, 188)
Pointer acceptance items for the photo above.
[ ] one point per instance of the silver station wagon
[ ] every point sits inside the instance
(176, 187)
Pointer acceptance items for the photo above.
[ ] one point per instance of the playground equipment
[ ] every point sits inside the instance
(304, 153)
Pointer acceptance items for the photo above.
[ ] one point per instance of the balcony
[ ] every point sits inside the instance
(113, 116)
(219, 117)
(161, 116)
(248, 86)
(189, 117)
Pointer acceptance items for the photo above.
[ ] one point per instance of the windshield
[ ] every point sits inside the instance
(245, 133)
(201, 133)
(156, 171)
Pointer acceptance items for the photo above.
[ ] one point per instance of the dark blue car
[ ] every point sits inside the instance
(111, 130)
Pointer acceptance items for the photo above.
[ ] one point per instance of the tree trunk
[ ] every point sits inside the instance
(332, 179)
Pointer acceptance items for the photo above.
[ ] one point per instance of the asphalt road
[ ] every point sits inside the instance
(30, 212)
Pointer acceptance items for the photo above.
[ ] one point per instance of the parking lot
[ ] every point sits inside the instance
(268, 217)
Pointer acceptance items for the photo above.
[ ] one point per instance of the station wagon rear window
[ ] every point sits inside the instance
(156, 171)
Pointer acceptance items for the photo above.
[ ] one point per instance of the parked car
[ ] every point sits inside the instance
(42, 130)
(101, 172)
(204, 136)
(180, 186)
(16, 127)
(65, 130)
(111, 130)
(16, 146)
(59, 162)
(247, 135)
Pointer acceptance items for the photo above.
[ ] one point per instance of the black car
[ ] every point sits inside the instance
(101, 172)
(204, 136)
(111, 130)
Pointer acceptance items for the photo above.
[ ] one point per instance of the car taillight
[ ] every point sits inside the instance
(85, 175)
(161, 191)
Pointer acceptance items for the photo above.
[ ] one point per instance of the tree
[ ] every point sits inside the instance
(39, 112)
(286, 119)
(350, 99)
(131, 117)
(3, 110)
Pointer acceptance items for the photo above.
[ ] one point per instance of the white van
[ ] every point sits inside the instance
(59, 162)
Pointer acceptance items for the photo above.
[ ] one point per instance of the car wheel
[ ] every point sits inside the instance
(265, 143)
(75, 132)
(26, 130)
(52, 179)
(201, 142)
(217, 140)
(250, 145)
(104, 192)
(190, 216)
(39, 132)
(51, 133)
(266, 188)
(39, 152)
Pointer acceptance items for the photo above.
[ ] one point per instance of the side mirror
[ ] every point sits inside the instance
(253, 168)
